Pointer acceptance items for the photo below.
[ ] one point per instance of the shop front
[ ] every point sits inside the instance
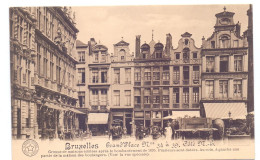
(125, 117)
(98, 123)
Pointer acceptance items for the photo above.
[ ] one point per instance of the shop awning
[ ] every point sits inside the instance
(76, 111)
(225, 110)
(182, 114)
(53, 106)
(97, 118)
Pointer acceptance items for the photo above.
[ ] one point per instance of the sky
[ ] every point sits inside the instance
(110, 23)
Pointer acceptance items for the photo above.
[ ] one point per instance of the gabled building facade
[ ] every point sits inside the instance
(224, 69)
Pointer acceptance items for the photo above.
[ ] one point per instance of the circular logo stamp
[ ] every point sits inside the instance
(30, 147)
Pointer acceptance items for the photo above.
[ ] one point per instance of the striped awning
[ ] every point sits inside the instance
(225, 110)
(97, 118)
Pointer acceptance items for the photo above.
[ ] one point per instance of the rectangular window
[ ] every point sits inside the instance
(81, 99)
(103, 97)
(210, 89)
(128, 75)
(213, 44)
(128, 97)
(195, 95)
(94, 97)
(166, 76)
(95, 57)
(223, 64)
(210, 64)
(176, 73)
(195, 55)
(155, 91)
(196, 72)
(165, 95)
(147, 99)
(186, 73)
(156, 99)
(176, 96)
(137, 74)
(147, 73)
(81, 72)
(117, 97)
(177, 56)
(238, 88)
(147, 91)
(81, 56)
(117, 76)
(137, 93)
(185, 95)
(156, 73)
(223, 88)
(103, 75)
(238, 63)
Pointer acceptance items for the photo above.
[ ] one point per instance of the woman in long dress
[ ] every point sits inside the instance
(168, 132)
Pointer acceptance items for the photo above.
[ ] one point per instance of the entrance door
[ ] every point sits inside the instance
(128, 125)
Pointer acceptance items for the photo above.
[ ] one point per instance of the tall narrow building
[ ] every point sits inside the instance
(225, 70)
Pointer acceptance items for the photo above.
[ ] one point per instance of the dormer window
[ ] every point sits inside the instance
(213, 44)
(158, 54)
(224, 41)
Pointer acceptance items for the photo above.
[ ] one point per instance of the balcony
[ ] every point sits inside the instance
(137, 83)
(156, 82)
(176, 82)
(185, 105)
(137, 106)
(195, 105)
(176, 105)
(147, 83)
(185, 61)
(165, 106)
(166, 82)
(147, 106)
(156, 105)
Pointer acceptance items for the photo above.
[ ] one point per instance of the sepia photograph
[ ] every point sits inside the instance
(124, 82)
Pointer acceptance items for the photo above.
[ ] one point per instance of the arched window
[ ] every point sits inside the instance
(224, 41)
(122, 54)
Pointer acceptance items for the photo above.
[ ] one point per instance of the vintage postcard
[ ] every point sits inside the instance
(132, 82)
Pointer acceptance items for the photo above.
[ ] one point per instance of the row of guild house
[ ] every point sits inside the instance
(161, 80)
(62, 85)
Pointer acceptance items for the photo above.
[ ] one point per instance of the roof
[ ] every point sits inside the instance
(186, 34)
(121, 43)
(80, 44)
(224, 14)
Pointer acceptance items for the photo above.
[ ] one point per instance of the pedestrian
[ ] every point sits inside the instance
(168, 131)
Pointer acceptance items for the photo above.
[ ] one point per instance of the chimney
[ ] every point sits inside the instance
(137, 45)
(238, 28)
(203, 42)
(168, 43)
(91, 43)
